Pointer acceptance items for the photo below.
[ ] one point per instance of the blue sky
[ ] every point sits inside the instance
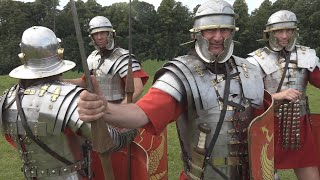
(252, 4)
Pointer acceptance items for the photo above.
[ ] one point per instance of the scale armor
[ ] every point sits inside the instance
(202, 92)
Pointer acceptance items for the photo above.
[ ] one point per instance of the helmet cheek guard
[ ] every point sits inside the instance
(213, 14)
(282, 19)
(102, 24)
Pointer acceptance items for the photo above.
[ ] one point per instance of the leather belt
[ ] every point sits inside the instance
(59, 171)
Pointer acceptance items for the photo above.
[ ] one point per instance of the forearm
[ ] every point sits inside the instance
(277, 96)
(125, 115)
(288, 94)
(135, 97)
(78, 82)
(138, 89)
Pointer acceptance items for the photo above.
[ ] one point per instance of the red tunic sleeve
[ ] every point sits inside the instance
(314, 77)
(139, 74)
(161, 109)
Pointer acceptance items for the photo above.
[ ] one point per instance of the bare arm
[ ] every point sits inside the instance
(138, 89)
(288, 94)
(78, 81)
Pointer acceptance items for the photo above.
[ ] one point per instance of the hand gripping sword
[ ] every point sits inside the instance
(101, 139)
(198, 153)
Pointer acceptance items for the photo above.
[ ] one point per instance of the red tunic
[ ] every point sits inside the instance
(307, 155)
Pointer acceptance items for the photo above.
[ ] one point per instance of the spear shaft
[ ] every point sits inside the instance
(101, 139)
(129, 86)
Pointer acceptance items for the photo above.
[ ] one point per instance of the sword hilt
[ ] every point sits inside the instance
(204, 131)
(198, 155)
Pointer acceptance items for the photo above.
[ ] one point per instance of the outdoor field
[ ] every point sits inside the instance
(10, 164)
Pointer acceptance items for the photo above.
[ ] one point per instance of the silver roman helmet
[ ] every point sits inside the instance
(40, 55)
(214, 14)
(282, 19)
(100, 24)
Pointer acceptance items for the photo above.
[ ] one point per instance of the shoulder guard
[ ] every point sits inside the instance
(2, 105)
(117, 63)
(55, 102)
(266, 58)
(194, 82)
(252, 82)
(306, 58)
(122, 67)
(168, 81)
(93, 59)
(9, 97)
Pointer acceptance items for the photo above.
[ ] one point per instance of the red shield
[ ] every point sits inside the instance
(260, 142)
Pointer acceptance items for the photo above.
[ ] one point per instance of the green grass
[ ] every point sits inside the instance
(10, 163)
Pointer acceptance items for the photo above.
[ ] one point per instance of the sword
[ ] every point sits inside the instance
(101, 139)
(198, 154)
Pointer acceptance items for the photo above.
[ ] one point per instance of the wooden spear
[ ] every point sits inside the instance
(101, 139)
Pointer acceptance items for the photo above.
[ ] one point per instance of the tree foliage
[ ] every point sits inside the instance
(157, 33)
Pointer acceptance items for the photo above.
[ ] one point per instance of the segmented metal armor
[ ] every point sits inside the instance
(187, 76)
(302, 60)
(111, 70)
(283, 68)
(51, 139)
(51, 110)
(222, 101)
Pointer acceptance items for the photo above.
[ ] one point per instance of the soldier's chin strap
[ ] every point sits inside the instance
(34, 138)
(220, 122)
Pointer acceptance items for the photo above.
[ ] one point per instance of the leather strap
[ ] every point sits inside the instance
(32, 136)
(287, 60)
(220, 122)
